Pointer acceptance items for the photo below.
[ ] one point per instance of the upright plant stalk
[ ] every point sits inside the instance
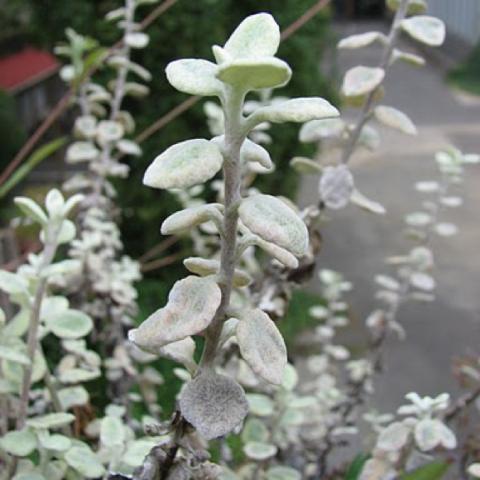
(366, 111)
(234, 137)
(32, 342)
(212, 404)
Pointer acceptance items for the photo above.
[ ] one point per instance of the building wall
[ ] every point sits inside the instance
(462, 18)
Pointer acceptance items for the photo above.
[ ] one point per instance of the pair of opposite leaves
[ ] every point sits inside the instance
(213, 403)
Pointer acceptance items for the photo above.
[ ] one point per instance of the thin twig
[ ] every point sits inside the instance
(160, 263)
(158, 248)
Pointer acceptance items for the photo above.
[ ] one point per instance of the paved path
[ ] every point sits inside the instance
(356, 243)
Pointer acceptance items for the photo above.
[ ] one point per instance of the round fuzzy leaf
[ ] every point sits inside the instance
(70, 324)
(109, 131)
(81, 152)
(55, 442)
(361, 80)
(194, 76)
(318, 130)
(395, 119)
(31, 209)
(204, 267)
(191, 306)
(262, 346)
(255, 430)
(260, 405)
(137, 40)
(425, 29)
(12, 283)
(255, 73)
(394, 437)
(50, 420)
(137, 451)
(112, 432)
(191, 217)
(298, 110)
(274, 221)
(361, 40)
(184, 165)
(14, 354)
(336, 186)
(19, 443)
(259, 451)
(283, 473)
(73, 396)
(257, 36)
(83, 460)
(128, 147)
(214, 404)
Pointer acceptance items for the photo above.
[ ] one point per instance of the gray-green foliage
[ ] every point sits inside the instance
(245, 63)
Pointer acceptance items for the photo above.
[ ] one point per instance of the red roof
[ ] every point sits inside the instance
(25, 68)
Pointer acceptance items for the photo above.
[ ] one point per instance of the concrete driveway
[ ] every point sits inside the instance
(356, 243)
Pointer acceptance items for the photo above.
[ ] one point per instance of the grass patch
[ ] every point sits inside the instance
(467, 76)
(297, 318)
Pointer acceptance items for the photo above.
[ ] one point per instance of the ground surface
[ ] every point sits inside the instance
(356, 243)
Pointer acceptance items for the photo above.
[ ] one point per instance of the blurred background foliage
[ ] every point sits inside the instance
(188, 29)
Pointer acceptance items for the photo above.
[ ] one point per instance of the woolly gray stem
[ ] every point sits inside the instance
(235, 134)
(367, 112)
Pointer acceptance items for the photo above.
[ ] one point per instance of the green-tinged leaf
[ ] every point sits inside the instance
(70, 324)
(259, 451)
(260, 404)
(194, 76)
(192, 303)
(262, 345)
(30, 163)
(73, 396)
(51, 420)
(428, 30)
(255, 430)
(362, 80)
(19, 443)
(31, 209)
(431, 471)
(255, 73)
(12, 283)
(191, 217)
(257, 36)
(112, 432)
(82, 459)
(298, 110)
(13, 354)
(184, 165)
(204, 267)
(305, 165)
(274, 221)
(283, 473)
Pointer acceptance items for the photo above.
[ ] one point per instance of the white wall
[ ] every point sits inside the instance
(462, 17)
